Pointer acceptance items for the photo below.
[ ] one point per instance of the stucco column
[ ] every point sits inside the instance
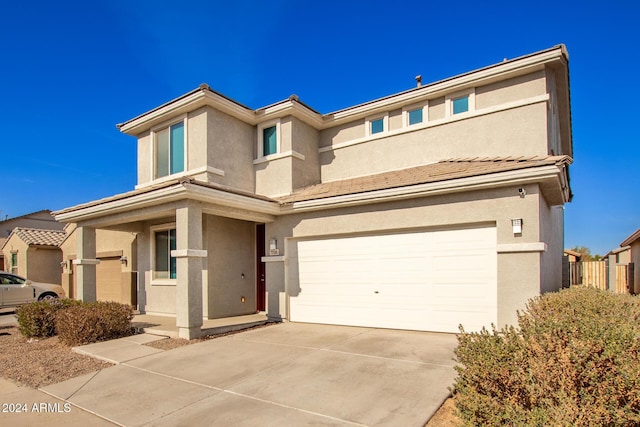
(189, 255)
(86, 263)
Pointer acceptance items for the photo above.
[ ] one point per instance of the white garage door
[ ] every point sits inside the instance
(429, 281)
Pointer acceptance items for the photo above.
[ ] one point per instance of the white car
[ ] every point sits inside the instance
(16, 290)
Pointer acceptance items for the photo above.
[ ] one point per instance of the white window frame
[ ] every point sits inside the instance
(385, 124)
(448, 101)
(260, 139)
(152, 256)
(406, 110)
(154, 146)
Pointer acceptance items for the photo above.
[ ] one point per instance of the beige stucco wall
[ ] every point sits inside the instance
(36, 263)
(109, 243)
(231, 267)
(304, 141)
(511, 90)
(436, 108)
(342, 133)
(274, 177)
(196, 139)
(551, 233)
(395, 119)
(43, 264)
(231, 148)
(635, 259)
(282, 175)
(513, 132)
(518, 273)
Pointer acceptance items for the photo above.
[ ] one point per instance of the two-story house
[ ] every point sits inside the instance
(437, 206)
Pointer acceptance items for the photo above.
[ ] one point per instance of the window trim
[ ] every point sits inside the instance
(152, 244)
(14, 266)
(154, 146)
(406, 110)
(385, 124)
(261, 127)
(470, 93)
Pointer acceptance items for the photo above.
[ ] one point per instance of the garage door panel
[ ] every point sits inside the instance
(423, 280)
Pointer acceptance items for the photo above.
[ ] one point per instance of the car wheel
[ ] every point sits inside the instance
(48, 296)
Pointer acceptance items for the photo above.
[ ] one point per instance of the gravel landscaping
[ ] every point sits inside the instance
(38, 363)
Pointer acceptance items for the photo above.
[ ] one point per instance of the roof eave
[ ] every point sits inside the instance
(549, 175)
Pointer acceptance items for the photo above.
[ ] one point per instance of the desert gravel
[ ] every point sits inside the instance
(39, 362)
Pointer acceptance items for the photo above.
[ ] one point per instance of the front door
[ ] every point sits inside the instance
(261, 284)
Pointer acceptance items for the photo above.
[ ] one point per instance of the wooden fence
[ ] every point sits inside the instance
(594, 274)
(622, 279)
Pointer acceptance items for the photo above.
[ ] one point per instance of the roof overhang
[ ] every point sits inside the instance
(631, 239)
(552, 180)
(555, 57)
(156, 203)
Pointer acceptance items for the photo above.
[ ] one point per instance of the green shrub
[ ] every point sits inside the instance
(37, 319)
(93, 322)
(573, 361)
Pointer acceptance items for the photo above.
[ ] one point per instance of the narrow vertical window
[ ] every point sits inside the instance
(165, 264)
(170, 150)
(14, 262)
(269, 140)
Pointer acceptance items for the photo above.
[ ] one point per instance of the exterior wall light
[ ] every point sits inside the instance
(516, 224)
(273, 247)
(123, 260)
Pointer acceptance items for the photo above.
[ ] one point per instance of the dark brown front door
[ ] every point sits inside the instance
(260, 268)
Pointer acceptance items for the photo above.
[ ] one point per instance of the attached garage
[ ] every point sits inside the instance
(112, 284)
(424, 280)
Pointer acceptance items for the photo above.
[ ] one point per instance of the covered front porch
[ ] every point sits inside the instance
(197, 253)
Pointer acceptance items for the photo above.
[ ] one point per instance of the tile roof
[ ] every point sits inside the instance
(34, 236)
(434, 172)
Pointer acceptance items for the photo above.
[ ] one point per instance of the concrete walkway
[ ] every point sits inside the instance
(286, 374)
(24, 406)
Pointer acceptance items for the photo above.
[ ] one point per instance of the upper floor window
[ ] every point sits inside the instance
(413, 115)
(376, 125)
(460, 105)
(460, 102)
(170, 149)
(268, 138)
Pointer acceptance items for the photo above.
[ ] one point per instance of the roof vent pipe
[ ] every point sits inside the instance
(419, 80)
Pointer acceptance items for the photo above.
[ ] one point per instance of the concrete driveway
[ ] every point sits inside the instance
(287, 374)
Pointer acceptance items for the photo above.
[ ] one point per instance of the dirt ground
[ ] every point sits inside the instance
(38, 363)
(446, 416)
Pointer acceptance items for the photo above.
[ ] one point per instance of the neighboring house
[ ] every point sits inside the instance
(572, 256)
(34, 254)
(633, 242)
(116, 279)
(41, 220)
(438, 206)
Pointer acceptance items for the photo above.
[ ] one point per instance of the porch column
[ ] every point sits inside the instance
(189, 255)
(86, 263)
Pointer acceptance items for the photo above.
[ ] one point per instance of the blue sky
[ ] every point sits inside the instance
(71, 70)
